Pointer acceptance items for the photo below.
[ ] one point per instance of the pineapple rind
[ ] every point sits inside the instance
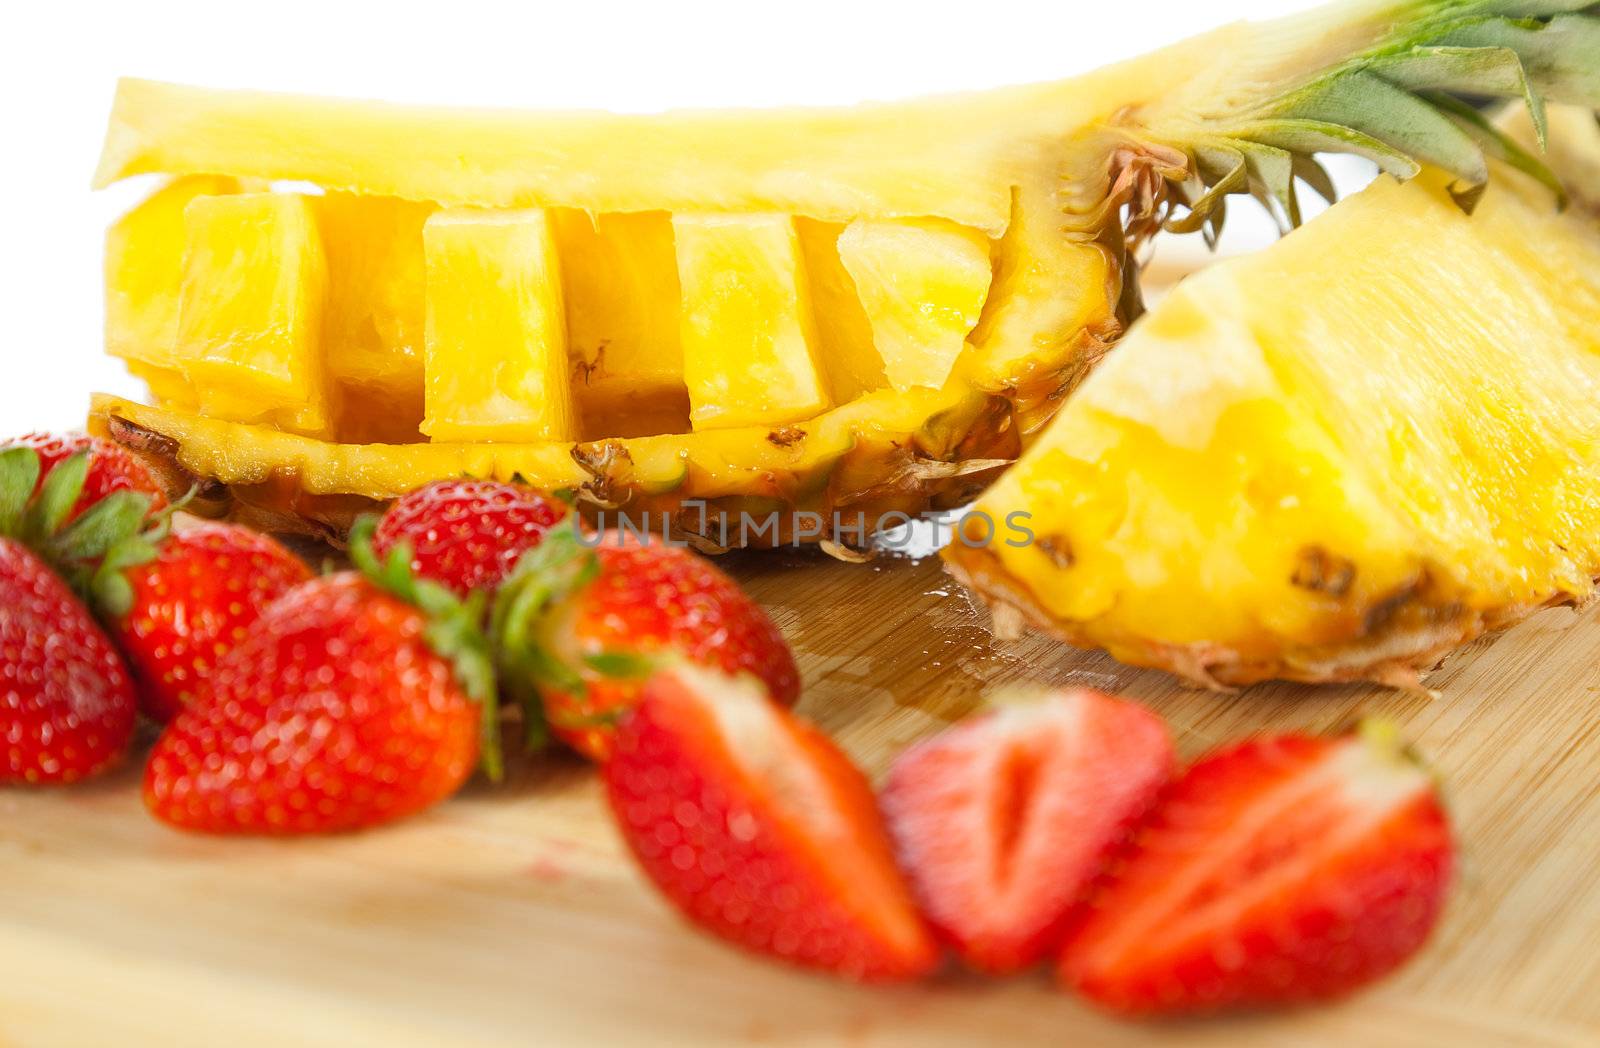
(1336, 459)
(883, 452)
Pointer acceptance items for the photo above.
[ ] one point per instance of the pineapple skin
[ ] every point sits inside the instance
(1335, 460)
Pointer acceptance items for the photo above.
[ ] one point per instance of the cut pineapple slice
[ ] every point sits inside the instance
(748, 334)
(496, 329)
(373, 325)
(923, 285)
(250, 315)
(1333, 460)
(143, 274)
(620, 275)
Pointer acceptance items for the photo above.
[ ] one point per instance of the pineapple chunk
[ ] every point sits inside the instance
(372, 331)
(143, 272)
(1335, 459)
(496, 358)
(620, 276)
(747, 328)
(923, 285)
(844, 334)
(250, 315)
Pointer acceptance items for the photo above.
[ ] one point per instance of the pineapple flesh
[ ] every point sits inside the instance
(250, 310)
(374, 319)
(923, 284)
(496, 360)
(749, 355)
(849, 311)
(1336, 459)
(143, 274)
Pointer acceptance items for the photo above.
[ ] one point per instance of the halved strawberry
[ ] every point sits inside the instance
(1280, 870)
(1003, 821)
(758, 828)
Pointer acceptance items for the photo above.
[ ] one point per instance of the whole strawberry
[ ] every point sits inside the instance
(467, 534)
(180, 613)
(67, 706)
(355, 700)
(583, 620)
(110, 468)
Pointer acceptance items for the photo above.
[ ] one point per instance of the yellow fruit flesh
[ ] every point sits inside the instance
(844, 334)
(1346, 452)
(250, 312)
(496, 359)
(143, 272)
(922, 284)
(955, 157)
(621, 280)
(749, 356)
(373, 324)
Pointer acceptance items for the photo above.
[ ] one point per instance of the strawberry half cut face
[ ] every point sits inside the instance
(760, 829)
(1003, 821)
(1279, 870)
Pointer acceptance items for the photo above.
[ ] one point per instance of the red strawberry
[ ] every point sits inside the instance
(66, 704)
(584, 623)
(467, 534)
(1003, 821)
(1279, 870)
(183, 611)
(112, 467)
(344, 707)
(759, 829)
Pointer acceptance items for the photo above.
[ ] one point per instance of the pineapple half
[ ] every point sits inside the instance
(1336, 459)
(855, 312)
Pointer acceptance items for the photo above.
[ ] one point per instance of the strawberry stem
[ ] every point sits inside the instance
(91, 551)
(546, 575)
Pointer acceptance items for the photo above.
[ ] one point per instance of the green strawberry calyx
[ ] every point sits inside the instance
(454, 631)
(546, 577)
(91, 551)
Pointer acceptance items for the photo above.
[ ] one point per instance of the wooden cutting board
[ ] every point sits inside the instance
(512, 916)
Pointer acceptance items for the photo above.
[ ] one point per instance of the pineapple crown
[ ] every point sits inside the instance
(1401, 102)
(91, 551)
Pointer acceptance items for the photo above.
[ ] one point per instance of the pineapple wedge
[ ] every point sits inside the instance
(1337, 459)
(879, 305)
(620, 273)
(496, 329)
(746, 327)
(250, 313)
(143, 274)
(923, 284)
(844, 333)
(374, 322)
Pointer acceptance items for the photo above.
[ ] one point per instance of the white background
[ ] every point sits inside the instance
(59, 63)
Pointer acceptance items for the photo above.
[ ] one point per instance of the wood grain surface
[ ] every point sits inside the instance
(512, 917)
